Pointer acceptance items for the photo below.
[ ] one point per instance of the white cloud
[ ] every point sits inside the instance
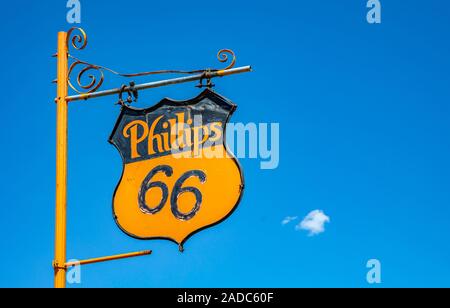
(288, 220)
(314, 222)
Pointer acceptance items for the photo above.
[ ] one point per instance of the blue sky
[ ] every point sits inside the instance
(363, 112)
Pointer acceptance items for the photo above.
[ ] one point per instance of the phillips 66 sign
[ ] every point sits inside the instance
(178, 176)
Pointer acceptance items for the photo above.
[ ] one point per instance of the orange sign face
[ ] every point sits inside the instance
(178, 175)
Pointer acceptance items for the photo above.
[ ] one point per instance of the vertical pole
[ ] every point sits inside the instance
(61, 163)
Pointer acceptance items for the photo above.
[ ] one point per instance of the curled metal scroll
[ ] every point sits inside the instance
(222, 56)
(77, 39)
(95, 82)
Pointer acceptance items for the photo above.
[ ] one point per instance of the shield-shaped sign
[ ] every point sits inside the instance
(178, 175)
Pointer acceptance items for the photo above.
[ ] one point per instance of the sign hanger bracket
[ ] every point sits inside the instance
(95, 73)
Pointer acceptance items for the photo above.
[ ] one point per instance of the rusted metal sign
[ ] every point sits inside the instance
(178, 175)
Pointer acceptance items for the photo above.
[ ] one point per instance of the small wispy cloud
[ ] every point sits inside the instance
(314, 222)
(288, 220)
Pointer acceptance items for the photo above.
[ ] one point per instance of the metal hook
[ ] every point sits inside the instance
(121, 102)
(122, 89)
(132, 94)
(133, 91)
(206, 75)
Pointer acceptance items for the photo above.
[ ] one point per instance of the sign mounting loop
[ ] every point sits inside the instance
(132, 94)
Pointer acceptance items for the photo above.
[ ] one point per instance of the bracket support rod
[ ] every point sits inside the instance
(109, 258)
(161, 83)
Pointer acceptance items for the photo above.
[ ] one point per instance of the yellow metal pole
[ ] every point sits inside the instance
(61, 163)
(110, 258)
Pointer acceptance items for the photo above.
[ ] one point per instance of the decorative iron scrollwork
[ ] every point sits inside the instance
(222, 56)
(77, 39)
(95, 82)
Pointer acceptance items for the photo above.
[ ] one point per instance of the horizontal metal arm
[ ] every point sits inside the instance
(109, 258)
(156, 84)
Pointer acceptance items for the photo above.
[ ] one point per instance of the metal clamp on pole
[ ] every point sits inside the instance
(56, 266)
